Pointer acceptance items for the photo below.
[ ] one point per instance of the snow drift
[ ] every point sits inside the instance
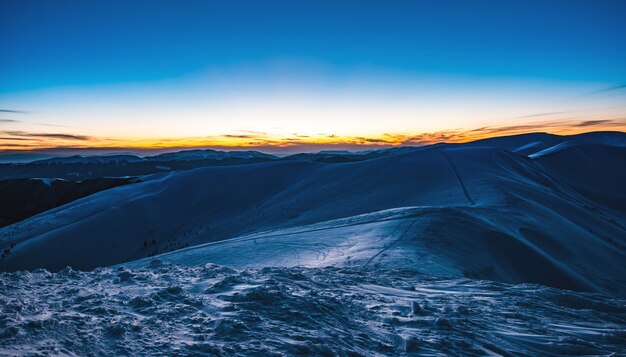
(211, 310)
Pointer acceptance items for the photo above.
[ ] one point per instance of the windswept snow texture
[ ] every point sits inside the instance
(212, 310)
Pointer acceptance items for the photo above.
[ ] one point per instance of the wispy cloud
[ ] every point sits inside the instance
(241, 136)
(13, 111)
(601, 122)
(12, 145)
(612, 88)
(254, 132)
(12, 138)
(62, 136)
(541, 115)
(365, 141)
(15, 121)
(24, 134)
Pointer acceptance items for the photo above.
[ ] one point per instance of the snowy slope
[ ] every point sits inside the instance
(215, 203)
(537, 231)
(421, 251)
(528, 144)
(23, 198)
(455, 211)
(597, 172)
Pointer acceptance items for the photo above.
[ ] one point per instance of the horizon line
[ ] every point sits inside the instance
(270, 149)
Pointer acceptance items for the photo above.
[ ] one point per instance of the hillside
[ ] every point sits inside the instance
(456, 210)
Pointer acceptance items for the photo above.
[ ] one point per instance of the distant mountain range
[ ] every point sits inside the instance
(79, 167)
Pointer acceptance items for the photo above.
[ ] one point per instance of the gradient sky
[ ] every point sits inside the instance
(304, 76)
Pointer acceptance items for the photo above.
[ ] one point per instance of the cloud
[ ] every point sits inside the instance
(254, 132)
(541, 114)
(54, 125)
(62, 136)
(616, 87)
(242, 139)
(12, 138)
(610, 89)
(24, 134)
(12, 111)
(240, 136)
(365, 140)
(603, 122)
(11, 145)
(27, 122)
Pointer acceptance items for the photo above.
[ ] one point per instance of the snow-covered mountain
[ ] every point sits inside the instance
(88, 167)
(192, 155)
(101, 159)
(506, 246)
(454, 210)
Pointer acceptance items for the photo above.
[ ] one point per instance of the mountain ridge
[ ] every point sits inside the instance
(473, 207)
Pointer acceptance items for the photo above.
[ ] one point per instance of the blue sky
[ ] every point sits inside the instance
(60, 59)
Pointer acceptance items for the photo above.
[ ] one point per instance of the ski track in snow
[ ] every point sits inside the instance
(166, 309)
(458, 176)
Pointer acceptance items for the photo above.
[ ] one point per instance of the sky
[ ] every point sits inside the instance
(288, 76)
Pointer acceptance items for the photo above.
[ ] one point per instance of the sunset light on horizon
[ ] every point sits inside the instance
(353, 76)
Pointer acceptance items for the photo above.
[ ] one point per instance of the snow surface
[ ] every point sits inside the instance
(429, 251)
(211, 310)
(530, 148)
(478, 212)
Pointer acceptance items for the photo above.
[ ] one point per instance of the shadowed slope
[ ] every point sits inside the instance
(455, 211)
(525, 227)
